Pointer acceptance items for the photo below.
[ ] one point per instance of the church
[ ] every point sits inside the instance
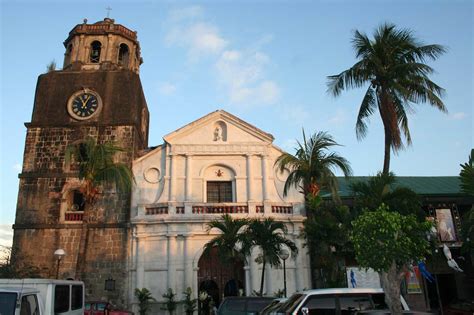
(153, 236)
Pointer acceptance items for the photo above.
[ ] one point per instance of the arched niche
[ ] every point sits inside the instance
(220, 131)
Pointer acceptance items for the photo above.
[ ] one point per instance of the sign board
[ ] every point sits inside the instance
(362, 278)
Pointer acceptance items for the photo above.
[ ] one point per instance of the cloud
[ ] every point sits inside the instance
(296, 115)
(6, 235)
(167, 88)
(339, 117)
(17, 167)
(242, 74)
(457, 116)
(186, 13)
(200, 39)
(240, 71)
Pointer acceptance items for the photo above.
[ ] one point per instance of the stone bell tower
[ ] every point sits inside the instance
(97, 94)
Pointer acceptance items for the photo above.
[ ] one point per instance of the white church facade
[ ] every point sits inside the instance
(217, 164)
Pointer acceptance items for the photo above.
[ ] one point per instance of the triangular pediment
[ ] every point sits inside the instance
(219, 127)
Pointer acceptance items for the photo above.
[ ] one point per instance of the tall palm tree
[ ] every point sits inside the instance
(95, 168)
(270, 237)
(230, 239)
(312, 167)
(393, 64)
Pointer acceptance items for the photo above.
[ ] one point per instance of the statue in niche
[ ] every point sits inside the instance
(217, 134)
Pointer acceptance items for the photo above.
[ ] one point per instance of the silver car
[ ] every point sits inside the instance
(343, 301)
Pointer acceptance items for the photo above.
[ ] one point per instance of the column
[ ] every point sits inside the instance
(141, 250)
(250, 183)
(299, 270)
(188, 264)
(172, 256)
(172, 196)
(108, 48)
(248, 285)
(265, 184)
(188, 178)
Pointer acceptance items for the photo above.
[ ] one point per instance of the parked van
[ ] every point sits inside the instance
(336, 301)
(41, 297)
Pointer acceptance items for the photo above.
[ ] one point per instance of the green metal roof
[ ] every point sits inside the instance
(422, 185)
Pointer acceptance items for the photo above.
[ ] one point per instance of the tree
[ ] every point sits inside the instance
(467, 175)
(312, 167)
(389, 242)
(467, 186)
(393, 64)
(327, 238)
(382, 189)
(170, 304)
(96, 168)
(16, 266)
(270, 237)
(229, 244)
(189, 303)
(144, 298)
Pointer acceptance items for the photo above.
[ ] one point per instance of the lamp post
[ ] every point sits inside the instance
(59, 254)
(284, 254)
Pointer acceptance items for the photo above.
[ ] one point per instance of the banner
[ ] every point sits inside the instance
(361, 278)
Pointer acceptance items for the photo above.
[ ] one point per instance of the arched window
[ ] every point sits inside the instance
(95, 52)
(220, 184)
(123, 55)
(67, 56)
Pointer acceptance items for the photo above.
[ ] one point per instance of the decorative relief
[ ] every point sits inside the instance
(218, 149)
(152, 175)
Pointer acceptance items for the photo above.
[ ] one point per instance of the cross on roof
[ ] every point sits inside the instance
(108, 11)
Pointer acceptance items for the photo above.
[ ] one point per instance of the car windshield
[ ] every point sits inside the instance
(7, 303)
(292, 302)
(257, 305)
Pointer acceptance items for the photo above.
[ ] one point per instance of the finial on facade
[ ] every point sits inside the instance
(85, 21)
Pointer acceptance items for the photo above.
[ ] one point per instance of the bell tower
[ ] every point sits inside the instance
(98, 94)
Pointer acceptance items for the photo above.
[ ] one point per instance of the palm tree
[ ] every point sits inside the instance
(393, 64)
(231, 237)
(467, 175)
(96, 168)
(382, 189)
(311, 168)
(270, 237)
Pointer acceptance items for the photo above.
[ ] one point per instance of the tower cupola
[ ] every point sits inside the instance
(102, 46)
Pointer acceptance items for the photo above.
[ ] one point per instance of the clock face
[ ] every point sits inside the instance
(84, 104)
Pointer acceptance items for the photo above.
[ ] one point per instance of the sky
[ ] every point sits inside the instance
(266, 62)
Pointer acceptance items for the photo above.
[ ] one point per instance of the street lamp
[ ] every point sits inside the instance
(59, 254)
(284, 254)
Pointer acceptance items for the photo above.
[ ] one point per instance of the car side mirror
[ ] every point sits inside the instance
(305, 311)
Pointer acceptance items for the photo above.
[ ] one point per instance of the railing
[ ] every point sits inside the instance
(163, 209)
(282, 209)
(156, 210)
(75, 216)
(213, 209)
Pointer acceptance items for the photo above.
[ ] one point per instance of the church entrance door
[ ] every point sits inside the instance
(219, 280)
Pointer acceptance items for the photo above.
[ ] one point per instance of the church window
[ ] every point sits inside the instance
(95, 52)
(123, 55)
(219, 191)
(78, 201)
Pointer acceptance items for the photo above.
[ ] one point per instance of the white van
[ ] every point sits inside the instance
(336, 301)
(41, 297)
